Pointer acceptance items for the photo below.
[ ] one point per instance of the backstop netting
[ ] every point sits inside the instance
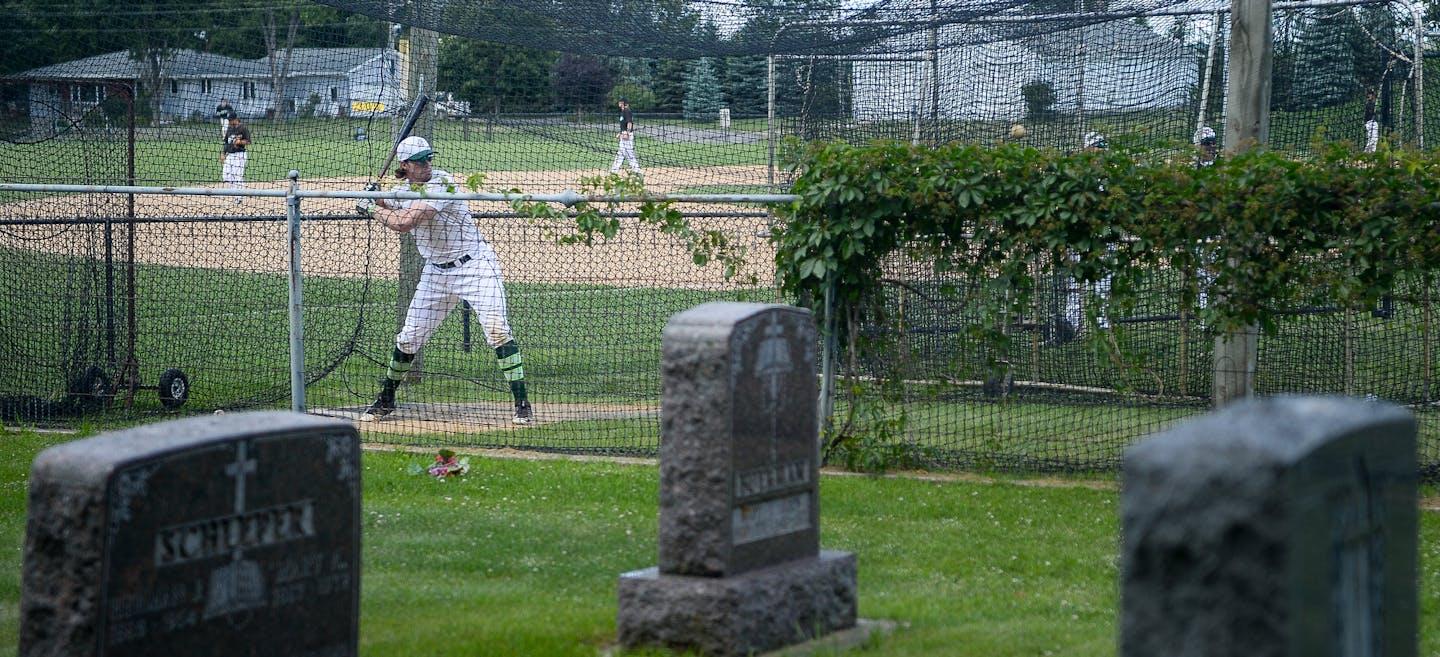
(113, 298)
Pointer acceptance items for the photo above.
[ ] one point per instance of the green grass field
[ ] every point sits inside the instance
(522, 558)
(325, 149)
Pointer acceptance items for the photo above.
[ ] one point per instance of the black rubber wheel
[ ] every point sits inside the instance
(174, 388)
(91, 391)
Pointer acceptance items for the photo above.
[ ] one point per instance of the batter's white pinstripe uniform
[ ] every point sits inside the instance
(444, 242)
(459, 264)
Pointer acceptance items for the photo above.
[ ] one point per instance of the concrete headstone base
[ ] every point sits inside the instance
(749, 613)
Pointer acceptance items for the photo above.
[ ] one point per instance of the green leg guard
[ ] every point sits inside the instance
(513, 367)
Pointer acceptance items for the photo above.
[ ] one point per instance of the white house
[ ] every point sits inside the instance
(320, 82)
(1103, 67)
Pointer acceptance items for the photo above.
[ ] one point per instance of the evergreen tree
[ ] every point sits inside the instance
(703, 96)
(669, 85)
(747, 86)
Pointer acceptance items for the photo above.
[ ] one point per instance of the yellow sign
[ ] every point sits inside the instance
(366, 106)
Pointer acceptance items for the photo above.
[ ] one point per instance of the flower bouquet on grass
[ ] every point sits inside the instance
(448, 465)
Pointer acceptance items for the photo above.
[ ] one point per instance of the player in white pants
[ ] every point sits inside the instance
(234, 156)
(626, 137)
(459, 265)
(1372, 127)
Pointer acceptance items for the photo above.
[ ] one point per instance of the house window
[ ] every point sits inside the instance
(334, 93)
(205, 87)
(174, 86)
(248, 90)
(81, 93)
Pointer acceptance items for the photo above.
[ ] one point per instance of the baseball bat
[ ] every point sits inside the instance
(410, 120)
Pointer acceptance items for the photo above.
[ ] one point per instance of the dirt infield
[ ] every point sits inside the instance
(209, 232)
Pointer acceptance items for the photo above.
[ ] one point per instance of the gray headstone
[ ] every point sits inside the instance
(740, 566)
(739, 455)
(233, 534)
(1282, 527)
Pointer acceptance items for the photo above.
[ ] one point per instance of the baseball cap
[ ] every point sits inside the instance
(1095, 140)
(413, 149)
(1205, 135)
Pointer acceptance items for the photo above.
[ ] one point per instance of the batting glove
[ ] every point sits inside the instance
(372, 187)
(365, 207)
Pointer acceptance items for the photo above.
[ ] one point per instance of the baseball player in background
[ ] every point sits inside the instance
(459, 264)
(626, 139)
(1074, 317)
(224, 111)
(1372, 127)
(234, 156)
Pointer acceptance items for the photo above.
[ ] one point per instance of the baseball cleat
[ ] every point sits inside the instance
(377, 410)
(523, 413)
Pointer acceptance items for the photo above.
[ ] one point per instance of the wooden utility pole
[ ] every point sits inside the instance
(1247, 126)
(422, 67)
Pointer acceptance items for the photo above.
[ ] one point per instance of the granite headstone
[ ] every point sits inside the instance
(232, 534)
(1282, 526)
(740, 566)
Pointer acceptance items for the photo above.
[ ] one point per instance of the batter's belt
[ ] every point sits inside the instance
(453, 263)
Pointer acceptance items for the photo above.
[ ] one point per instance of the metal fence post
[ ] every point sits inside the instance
(827, 365)
(297, 304)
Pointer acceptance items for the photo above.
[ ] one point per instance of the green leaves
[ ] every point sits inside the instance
(1267, 230)
(584, 222)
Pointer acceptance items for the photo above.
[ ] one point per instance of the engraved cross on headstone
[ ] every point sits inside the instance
(238, 585)
(241, 468)
(1357, 537)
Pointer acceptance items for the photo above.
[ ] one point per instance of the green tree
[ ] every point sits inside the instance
(580, 82)
(747, 86)
(489, 75)
(703, 97)
(790, 27)
(41, 34)
(156, 29)
(669, 84)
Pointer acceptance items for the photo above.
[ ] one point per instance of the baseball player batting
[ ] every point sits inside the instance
(459, 264)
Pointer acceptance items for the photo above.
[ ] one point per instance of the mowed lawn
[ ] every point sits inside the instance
(521, 557)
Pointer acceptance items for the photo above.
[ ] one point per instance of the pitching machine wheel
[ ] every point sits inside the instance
(174, 388)
(91, 391)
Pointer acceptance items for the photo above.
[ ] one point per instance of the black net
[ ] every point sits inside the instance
(1087, 367)
(117, 303)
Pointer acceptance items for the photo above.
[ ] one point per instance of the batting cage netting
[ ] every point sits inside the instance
(122, 307)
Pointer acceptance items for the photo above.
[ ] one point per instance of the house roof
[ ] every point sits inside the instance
(193, 64)
(316, 61)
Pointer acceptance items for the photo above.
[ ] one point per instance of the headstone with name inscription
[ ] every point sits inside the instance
(234, 534)
(1283, 526)
(740, 566)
